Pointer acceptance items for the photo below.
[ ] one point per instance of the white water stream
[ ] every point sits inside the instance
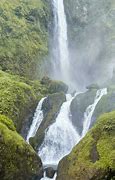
(61, 53)
(37, 119)
(90, 110)
(46, 178)
(61, 136)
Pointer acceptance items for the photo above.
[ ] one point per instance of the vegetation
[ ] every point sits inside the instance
(17, 159)
(23, 35)
(94, 157)
(18, 97)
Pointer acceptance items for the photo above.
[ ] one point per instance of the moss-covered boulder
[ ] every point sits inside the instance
(54, 86)
(78, 107)
(18, 97)
(51, 107)
(94, 157)
(18, 160)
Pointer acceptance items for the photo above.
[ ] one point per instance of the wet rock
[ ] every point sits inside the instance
(54, 86)
(50, 172)
(94, 157)
(78, 107)
(18, 160)
(51, 107)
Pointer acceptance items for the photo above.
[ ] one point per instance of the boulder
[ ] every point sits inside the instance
(51, 107)
(106, 104)
(78, 107)
(94, 157)
(50, 172)
(54, 86)
(18, 160)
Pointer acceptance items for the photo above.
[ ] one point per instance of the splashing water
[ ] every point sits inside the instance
(46, 178)
(37, 119)
(61, 136)
(90, 110)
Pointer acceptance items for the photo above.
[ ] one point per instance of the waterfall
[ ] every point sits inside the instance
(61, 136)
(37, 119)
(61, 53)
(90, 110)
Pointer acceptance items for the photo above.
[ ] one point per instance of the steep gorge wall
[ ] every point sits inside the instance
(91, 35)
(24, 31)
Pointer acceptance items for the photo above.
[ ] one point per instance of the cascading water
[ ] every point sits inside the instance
(90, 110)
(46, 178)
(37, 119)
(60, 138)
(61, 53)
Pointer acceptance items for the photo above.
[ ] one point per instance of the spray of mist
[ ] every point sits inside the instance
(86, 57)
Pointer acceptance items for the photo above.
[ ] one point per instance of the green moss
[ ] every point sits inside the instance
(17, 159)
(94, 157)
(54, 86)
(8, 122)
(17, 98)
(24, 35)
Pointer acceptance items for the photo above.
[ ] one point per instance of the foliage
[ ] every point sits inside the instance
(17, 159)
(23, 35)
(17, 98)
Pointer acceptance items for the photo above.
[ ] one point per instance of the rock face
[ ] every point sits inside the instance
(78, 107)
(91, 33)
(18, 160)
(94, 157)
(82, 101)
(106, 104)
(51, 107)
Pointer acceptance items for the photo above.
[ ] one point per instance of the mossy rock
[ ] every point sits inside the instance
(18, 97)
(18, 160)
(78, 107)
(54, 86)
(51, 107)
(94, 157)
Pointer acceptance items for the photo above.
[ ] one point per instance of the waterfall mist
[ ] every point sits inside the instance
(82, 50)
(91, 40)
